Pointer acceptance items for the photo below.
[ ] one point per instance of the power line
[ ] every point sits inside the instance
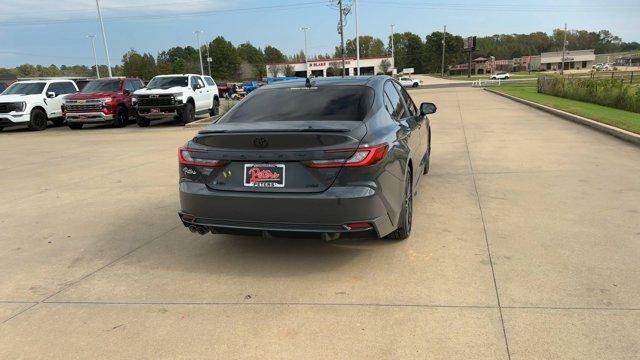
(301, 5)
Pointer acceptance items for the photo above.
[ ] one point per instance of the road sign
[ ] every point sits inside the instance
(470, 43)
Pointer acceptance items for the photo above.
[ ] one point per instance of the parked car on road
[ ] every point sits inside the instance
(181, 95)
(500, 76)
(106, 101)
(34, 103)
(409, 82)
(249, 86)
(325, 156)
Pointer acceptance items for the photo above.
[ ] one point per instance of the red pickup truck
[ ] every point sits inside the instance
(102, 101)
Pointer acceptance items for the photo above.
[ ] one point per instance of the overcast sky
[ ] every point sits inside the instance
(54, 31)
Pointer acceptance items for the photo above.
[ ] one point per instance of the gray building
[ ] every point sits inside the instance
(574, 59)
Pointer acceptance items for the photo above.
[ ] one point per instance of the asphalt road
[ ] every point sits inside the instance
(525, 245)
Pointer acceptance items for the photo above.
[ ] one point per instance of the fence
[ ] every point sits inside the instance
(608, 91)
(629, 77)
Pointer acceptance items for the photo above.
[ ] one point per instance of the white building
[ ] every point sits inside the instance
(574, 59)
(331, 67)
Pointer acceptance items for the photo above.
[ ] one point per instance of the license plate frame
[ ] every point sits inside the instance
(264, 176)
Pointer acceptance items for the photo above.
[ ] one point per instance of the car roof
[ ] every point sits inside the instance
(172, 75)
(330, 81)
(42, 81)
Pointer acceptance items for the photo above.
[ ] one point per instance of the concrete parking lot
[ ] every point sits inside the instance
(525, 245)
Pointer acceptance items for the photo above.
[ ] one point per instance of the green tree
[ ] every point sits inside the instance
(454, 52)
(139, 65)
(369, 47)
(253, 56)
(409, 51)
(225, 59)
(273, 56)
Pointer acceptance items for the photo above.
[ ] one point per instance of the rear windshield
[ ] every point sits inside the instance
(25, 88)
(167, 82)
(331, 103)
(102, 86)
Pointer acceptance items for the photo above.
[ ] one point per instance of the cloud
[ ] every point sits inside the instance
(16, 10)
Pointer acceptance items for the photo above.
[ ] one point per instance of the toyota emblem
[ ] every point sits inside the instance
(260, 142)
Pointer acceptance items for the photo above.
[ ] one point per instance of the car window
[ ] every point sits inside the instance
(129, 85)
(25, 88)
(209, 81)
(411, 107)
(102, 86)
(398, 110)
(167, 82)
(137, 84)
(339, 103)
(61, 88)
(199, 81)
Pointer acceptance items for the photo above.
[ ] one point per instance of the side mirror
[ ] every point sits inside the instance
(427, 108)
(197, 86)
(127, 92)
(51, 94)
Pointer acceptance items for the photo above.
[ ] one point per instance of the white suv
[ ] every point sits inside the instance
(500, 76)
(34, 102)
(183, 96)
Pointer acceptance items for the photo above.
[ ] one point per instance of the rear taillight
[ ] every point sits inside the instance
(363, 156)
(190, 157)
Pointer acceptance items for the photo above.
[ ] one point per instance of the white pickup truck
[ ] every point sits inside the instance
(34, 103)
(181, 95)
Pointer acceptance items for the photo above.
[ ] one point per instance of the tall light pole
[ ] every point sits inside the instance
(444, 44)
(95, 57)
(564, 48)
(393, 49)
(306, 55)
(198, 32)
(208, 59)
(104, 39)
(357, 39)
(342, 37)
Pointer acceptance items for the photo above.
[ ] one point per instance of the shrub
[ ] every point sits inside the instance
(603, 91)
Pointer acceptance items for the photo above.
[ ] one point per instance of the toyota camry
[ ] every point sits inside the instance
(326, 156)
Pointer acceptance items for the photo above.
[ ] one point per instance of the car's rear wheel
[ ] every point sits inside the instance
(122, 117)
(142, 121)
(75, 126)
(215, 110)
(188, 113)
(415, 85)
(38, 120)
(406, 215)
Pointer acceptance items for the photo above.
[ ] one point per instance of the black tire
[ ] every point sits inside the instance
(215, 110)
(506, 78)
(142, 121)
(406, 215)
(415, 85)
(1, 128)
(122, 117)
(75, 126)
(58, 121)
(38, 120)
(188, 113)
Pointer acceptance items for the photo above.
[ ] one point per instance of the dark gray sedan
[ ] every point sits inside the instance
(327, 156)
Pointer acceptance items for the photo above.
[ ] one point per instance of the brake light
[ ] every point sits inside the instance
(363, 156)
(189, 157)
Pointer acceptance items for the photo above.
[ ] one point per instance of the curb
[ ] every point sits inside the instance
(607, 129)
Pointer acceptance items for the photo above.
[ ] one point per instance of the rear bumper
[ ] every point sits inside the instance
(326, 212)
(88, 117)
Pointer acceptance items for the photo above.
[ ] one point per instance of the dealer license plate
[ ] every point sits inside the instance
(264, 175)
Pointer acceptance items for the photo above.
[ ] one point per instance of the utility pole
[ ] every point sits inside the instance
(306, 55)
(197, 33)
(393, 48)
(342, 38)
(564, 48)
(357, 39)
(208, 60)
(95, 57)
(444, 44)
(104, 39)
